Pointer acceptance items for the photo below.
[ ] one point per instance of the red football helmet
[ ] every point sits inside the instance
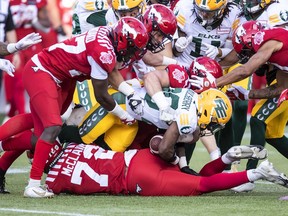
(130, 38)
(202, 65)
(159, 18)
(242, 39)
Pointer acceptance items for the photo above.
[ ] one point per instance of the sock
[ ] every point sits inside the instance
(253, 176)
(215, 154)
(222, 181)
(15, 125)
(226, 159)
(8, 158)
(34, 183)
(213, 167)
(281, 144)
(19, 142)
(258, 129)
(1, 148)
(41, 155)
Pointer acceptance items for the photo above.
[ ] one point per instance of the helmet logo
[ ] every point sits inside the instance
(106, 57)
(240, 33)
(154, 13)
(220, 108)
(128, 30)
(258, 38)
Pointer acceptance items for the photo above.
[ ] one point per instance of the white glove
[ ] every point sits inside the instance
(28, 41)
(136, 103)
(211, 51)
(167, 114)
(7, 66)
(237, 93)
(124, 116)
(202, 83)
(25, 42)
(182, 43)
(127, 119)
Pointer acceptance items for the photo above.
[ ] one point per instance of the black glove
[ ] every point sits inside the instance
(188, 170)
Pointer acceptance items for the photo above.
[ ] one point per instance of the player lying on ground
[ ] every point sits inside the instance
(88, 169)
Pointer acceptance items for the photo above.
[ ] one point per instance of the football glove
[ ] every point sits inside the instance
(7, 66)
(136, 103)
(283, 97)
(188, 170)
(211, 51)
(237, 93)
(182, 43)
(202, 83)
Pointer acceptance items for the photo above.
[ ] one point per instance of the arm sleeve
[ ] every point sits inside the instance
(9, 22)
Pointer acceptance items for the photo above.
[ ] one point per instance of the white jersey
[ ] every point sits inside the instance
(110, 17)
(184, 101)
(274, 15)
(187, 23)
(84, 12)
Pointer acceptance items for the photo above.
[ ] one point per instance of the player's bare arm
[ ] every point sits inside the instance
(272, 90)
(101, 94)
(247, 69)
(166, 146)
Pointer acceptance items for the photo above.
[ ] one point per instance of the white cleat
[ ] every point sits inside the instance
(38, 192)
(247, 152)
(247, 187)
(270, 174)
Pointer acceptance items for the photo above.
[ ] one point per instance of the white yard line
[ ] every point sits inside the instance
(42, 212)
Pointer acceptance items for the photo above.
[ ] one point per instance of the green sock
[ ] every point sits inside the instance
(281, 144)
(189, 148)
(258, 129)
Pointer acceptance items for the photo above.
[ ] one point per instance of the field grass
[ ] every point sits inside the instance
(264, 200)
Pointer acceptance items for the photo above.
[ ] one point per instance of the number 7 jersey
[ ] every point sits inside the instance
(90, 54)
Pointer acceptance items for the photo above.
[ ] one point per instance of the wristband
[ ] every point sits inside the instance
(118, 111)
(168, 61)
(11, 48)
(125, 88)
(160, 100)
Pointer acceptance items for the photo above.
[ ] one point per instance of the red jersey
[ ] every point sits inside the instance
(178, 76)
(87, 55)
(88, 169)
(279, 58)
(23, 13)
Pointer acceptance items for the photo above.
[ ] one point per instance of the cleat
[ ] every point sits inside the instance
(3, 182)
(247, 187)
(38, 192)
(247, 152)
(270, 174)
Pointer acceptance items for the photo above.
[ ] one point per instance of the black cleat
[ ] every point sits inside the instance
(3, 182)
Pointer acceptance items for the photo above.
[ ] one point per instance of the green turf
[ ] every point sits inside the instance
(262, 201)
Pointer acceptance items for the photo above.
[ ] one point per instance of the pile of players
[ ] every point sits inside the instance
(173, 94)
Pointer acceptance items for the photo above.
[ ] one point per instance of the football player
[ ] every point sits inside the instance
(272, 122)
(88, 169)
(96, 54)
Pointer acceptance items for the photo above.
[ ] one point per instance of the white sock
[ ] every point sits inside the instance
(215, 154)
(1, 148)
(226, 159)
(34, 183)
(253, 176)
